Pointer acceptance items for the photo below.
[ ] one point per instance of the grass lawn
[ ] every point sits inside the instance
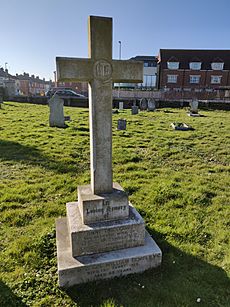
(178, 180)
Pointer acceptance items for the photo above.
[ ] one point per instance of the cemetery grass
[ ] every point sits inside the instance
(177, 180)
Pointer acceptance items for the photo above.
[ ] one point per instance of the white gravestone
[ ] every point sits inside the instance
(194, 108)
(56, 118)
(121, 105)
(103, 220)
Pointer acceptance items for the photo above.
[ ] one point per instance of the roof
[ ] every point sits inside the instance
(185, 56)
(144, 58)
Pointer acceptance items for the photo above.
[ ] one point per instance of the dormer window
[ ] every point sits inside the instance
(217, 66)
(195, 65)
(173, 65)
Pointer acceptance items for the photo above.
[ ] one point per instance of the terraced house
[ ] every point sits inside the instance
(189, 74)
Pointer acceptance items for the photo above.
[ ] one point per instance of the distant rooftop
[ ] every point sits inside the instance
(184, 56)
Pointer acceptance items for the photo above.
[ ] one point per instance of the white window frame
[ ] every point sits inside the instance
(217, 66)
(173, 65)
(195, 65)
(172, 78)
(216, 79)
(194, 79)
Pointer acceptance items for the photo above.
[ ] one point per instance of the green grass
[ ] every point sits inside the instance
(178, 180)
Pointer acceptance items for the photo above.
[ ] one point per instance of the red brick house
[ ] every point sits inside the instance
(188, 74)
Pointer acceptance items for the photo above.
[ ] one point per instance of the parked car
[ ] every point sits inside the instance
(64, 93)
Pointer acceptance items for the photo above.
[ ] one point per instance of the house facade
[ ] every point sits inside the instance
(189, 74)
(30, 85)
(149, 74)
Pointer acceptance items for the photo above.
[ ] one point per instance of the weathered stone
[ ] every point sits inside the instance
(121, 124)
(121, 105)
(135, 110)
(102, 207)
(151, 105)
(56, 118)
(194, 108)
(143, 104)
(77, 270)
(103, 236)
(100, 71)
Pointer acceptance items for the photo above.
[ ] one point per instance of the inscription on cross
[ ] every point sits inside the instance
(99, 70)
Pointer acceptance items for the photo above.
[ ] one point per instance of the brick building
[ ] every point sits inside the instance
(30, 85)
(188, 74)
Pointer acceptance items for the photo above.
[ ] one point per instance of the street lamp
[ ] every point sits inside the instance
(119, 59)
(119, 50)
(55, 79)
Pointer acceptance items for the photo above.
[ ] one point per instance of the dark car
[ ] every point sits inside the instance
(64, 93)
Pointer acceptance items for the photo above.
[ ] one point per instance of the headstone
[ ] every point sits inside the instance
(121, 105)
(103, 236)
(151, 105)
(134, 110)
(194, 108)
(143, 104)
(1, 96)
(67, 118)
(121, 124)
(56, 118)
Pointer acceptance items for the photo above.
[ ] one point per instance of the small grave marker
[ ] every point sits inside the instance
(151, 104)
(121, 105)
(194, 108)
(135, 110)
(121, 124)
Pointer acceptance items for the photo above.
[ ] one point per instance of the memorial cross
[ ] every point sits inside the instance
(99, 70)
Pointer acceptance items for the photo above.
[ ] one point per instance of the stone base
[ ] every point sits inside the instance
(73, 271)
(194, 114)
(103, 207)
(103, 236)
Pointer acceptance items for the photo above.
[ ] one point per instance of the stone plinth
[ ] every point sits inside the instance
(103, 207)
(103, 236)
(72, 271)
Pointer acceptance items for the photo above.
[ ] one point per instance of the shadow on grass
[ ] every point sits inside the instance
(8, 298)
(14, 151)
(182, 280)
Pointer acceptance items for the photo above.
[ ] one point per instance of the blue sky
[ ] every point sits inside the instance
(34, 32)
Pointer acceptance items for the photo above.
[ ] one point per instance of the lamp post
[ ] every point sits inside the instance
(55, 79)
(119, 59)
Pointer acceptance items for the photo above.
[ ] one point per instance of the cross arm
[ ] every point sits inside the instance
(127, 71)
(73, 69)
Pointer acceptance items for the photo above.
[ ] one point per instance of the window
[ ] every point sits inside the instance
(217, 66)
(172, 78)
(216, 79)
(195, 65)
(149, 81)
(194, 79)
(149, 64)
(173, 65)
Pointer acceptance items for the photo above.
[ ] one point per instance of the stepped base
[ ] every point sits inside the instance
(73, 271)
(103, 236)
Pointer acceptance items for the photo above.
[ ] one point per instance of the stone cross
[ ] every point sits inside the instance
(100, 71)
